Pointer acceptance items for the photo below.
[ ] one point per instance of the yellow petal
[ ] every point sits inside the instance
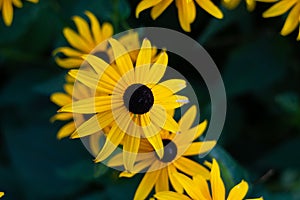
(188, 118)
(217, 185)
(130, 150)
(95, 26)
(197, 148)
(169, 195)
(231, 4)
(33, 1)
(69, 88)
(279, 8)
(174, 85)
(159, 8)
(7, 12)
(61, 117)
(186, 13)
(17, 3)
(189, 186)
(171, 125)
(121, 57)
(191, 168)
(147, 183)
(174, 182)
(239, 191)
(298, 38)
(113, 139)
(172, 102)
(87, 78)
(107, 30)
(94, 124)
(84, 30)
(94, 143)
(67, 51)
(1, 194)
(211, 8)
(145, 4)
(68, 63)
(199, 130)
(203, 186)
(142, 65)
(89, 105)
(291, 21)
(157, 144)
(66, 130)
(162, 183)
(250, 5)
(158, 69)
(60, 99)
(76, 41)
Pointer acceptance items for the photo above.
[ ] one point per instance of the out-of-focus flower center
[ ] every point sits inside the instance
(138, 98)
(170, 151)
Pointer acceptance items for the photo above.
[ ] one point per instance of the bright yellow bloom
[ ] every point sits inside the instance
(281, 7)
(1, 194)
(8, 11)
(129, 99)
(198, 188)
(83, 42)
(160, 171)
(232, 4)
(186, 10)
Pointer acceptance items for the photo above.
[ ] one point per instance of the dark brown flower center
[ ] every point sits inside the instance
(170, 151)
(138, 99)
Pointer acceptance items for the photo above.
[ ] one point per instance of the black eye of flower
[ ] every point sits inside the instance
(138, 99)
(170, 151)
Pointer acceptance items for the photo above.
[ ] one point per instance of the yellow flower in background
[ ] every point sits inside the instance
(186, 10)
(199, 189)
(129, 99)
(160, 171)
(293, 19)
(1, 194)
(83, 42)
(8, 11)
(232, 4)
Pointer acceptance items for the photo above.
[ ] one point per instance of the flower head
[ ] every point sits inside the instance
(198, 188)
(281, 7)
(83, 42)
(232, 4)
(177, 146)
(8, 11)
(129, 99)
(186, 10)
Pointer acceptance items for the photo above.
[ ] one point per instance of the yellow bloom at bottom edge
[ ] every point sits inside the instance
(1, 194)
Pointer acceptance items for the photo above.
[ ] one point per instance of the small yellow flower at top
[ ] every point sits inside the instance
(199, 189)
(1, 194)
(186, 10)
(83, 42)
(232, 4)
(8, 11)
(281, 7)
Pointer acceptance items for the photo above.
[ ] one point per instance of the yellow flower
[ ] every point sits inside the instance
(186, 10)
(8, 11)
(198, 188)
(129, 99)
(176, 147)
(281, 7)
(131, 42)
(1, 194)
(232, 4)
(83, 42)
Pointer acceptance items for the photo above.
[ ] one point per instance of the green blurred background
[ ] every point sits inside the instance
(260, 68)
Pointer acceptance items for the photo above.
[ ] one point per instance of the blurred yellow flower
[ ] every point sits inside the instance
(232, 4)
(186, 10)
(128, 98)
(282, 6)
(83, 42)
(8, 11)
(1, 194)
(198, 188)
(160, 171)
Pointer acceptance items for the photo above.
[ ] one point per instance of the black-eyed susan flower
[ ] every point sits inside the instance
(160, 171)
(232, 4)
(8, 11)
(84, 41)
(199, 189)
(282, 6)
(129, 99)
(1, 194)
(186, 10)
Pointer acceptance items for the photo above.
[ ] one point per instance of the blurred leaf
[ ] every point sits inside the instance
(255, 66)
